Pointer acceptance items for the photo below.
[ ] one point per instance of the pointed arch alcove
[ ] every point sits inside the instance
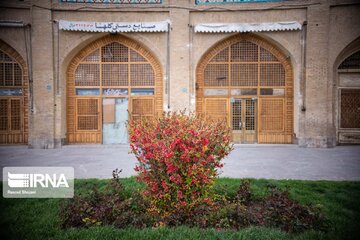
(14, 96)
(109, 81)
(249, 82)
(348, 94)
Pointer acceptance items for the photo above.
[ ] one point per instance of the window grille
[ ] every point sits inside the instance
(10, 71)
(350, 108)
(250, 65)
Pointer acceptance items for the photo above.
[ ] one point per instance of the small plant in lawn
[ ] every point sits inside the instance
(179, 156)
(107, 207)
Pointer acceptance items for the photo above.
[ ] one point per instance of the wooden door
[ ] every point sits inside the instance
(243, 120)
(11, 120)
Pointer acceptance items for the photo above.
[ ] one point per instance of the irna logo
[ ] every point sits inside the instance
(36, 180)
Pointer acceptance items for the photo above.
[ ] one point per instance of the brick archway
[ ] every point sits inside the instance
(249, 82)
(14, 97)
(114, 68)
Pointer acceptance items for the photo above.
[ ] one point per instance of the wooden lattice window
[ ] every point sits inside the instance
(350, 108)
(115, 65)
(10, 71)
(244, 64)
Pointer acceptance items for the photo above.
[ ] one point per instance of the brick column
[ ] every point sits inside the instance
(42, 127)
(179, 58)
(316, 127)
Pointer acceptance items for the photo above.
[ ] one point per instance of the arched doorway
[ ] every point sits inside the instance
(108, 82)
(13, 97)
(349, 99)
(249, 82)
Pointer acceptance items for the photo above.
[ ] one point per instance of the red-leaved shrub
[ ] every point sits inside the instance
(178, 158)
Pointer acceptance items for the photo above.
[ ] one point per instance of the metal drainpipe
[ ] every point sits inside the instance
(191, 68)
(303, 65)
(303, 74)
(168, 65)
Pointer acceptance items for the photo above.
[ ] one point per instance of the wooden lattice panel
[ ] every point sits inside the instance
(216, 108)
(250, 115)
(87, 75)
(142, 75)
(272, 115)
(93, 57)
(88, 114)
(236, 115)
(115, 75)
(4, 114)
(118, 64)
(244, 51)
(222, 56)
(217, 75)
(10, 71)
(350, 108)
(136, 57)
(142, 107)
(244, 75)
(272, 74)
(15, 114)
(266, 56)
(115, 52)
(246, 61)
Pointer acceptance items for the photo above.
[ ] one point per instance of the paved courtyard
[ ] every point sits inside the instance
(253, 161)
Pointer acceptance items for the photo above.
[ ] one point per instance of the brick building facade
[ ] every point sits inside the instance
(277, 71)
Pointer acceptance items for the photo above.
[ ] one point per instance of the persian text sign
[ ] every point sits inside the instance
(232, 1)
(114, 26)
(38, 182)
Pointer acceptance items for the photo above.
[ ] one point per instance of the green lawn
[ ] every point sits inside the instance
(38, 218)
